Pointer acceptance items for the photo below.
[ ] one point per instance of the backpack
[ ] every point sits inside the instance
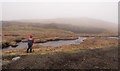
(30, 42)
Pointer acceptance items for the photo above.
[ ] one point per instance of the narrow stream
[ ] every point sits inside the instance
(22, 45)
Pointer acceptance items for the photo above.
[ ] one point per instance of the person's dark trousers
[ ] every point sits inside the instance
(29, 47)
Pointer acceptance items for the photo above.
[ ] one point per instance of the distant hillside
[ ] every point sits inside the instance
(77, 25)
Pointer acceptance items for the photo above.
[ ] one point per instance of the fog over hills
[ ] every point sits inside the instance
(77, 25)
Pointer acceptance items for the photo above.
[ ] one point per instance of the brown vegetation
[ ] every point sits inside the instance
(78, 56)
(17, 33)
(93, 53)
(90, 43)
(20, 31)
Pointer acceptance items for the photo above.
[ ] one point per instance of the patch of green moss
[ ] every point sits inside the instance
(75, 50)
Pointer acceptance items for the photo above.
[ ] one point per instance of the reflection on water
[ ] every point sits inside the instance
(22, 45)
(63, 42)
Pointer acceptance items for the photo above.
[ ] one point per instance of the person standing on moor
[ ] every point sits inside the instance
(30, 43)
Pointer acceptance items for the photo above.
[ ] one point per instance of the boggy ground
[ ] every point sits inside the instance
(89, 43)
(100, 53)
(90, 59)
(14, 33)
(39, 37)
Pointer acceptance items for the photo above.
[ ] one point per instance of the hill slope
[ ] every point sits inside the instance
(77, 25)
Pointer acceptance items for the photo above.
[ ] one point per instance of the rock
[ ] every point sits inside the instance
(16, 58)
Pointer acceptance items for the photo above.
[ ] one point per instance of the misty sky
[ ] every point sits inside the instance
(107, 11)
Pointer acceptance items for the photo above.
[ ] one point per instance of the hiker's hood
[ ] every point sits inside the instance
(31, 36)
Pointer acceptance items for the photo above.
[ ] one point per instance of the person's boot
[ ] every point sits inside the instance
(27, 51)
(30, 50)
